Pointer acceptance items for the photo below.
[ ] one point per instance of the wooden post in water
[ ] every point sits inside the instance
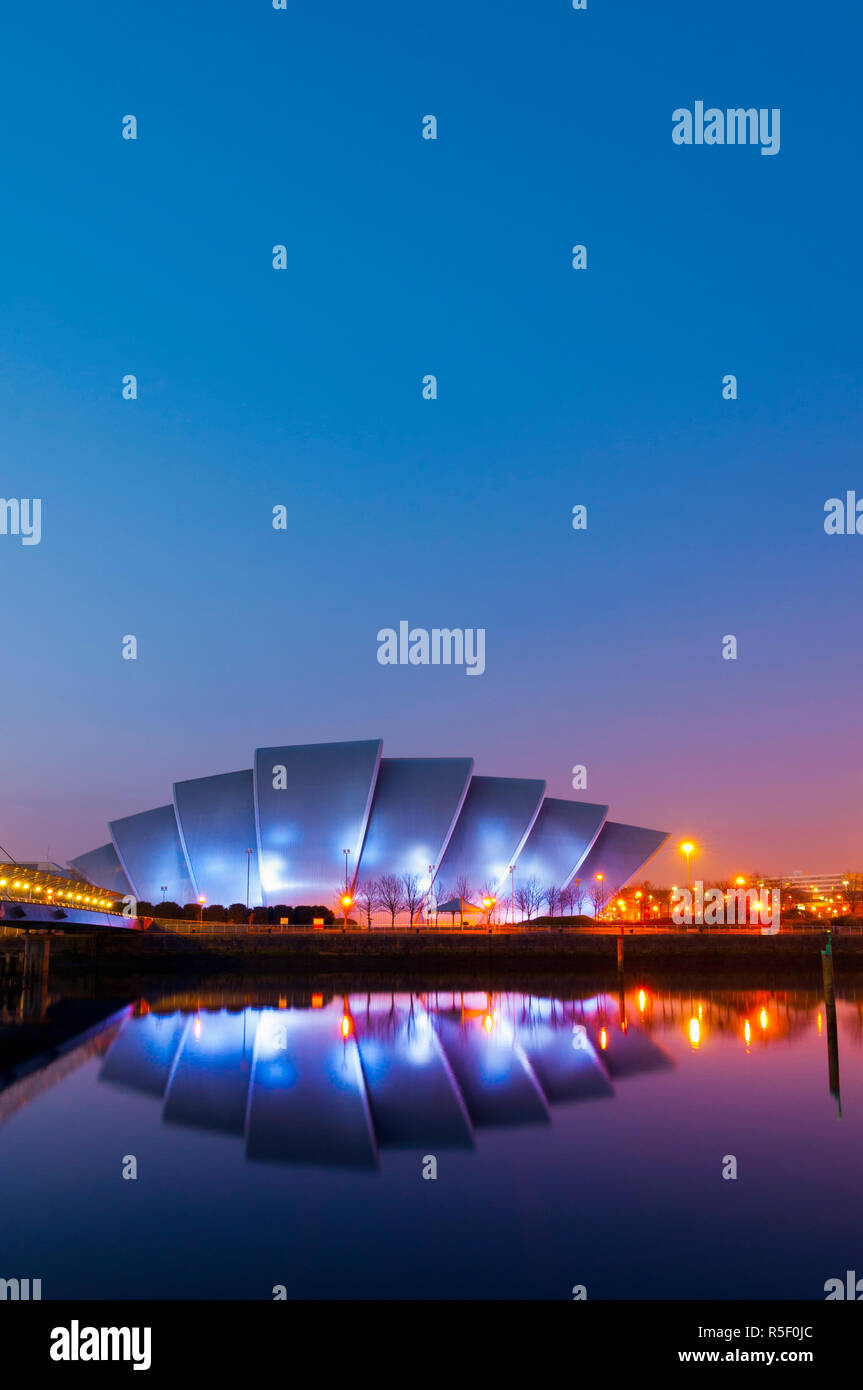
(621, 995)
(832, 1030)
(34, 980)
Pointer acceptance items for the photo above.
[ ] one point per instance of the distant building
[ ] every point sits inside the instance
(825, 895)
(821, 883)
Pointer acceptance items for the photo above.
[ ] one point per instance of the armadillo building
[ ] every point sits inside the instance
(278, 832)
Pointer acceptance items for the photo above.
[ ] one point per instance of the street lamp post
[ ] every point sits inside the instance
(163, 888)
(346, 902)
(201, 902)
(512, 890)
(429, 895)
(687, 849)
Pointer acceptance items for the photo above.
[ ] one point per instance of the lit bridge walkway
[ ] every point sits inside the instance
(33, 897)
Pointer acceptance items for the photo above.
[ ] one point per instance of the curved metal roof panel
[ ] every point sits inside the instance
(416, 804)
(497, 817)
(313, 802)
(562, 835)
(149, 848)
(216, 819)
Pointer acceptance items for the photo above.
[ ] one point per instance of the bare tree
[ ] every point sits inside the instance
(488, 894)
(462, 891)
(368, 897)
(390, 895)
(551, 897)
(411, 894)
(529, 896)
(599, 895)
(578, 895)
(854, 892)
(566, 901)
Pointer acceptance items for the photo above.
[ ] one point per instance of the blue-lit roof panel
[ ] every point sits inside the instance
(103, 868)
(416, 803)
(150, 851)
(313, 803)
(216, 817)
(495, 820)
(562, 835)
(619, 852)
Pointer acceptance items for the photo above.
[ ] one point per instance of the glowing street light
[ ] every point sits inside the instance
(346, 902)
(201, 902)
(687, 848)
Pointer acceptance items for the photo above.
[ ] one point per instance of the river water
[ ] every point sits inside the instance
(434, 1144)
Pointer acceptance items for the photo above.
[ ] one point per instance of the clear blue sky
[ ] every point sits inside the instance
(556, 387)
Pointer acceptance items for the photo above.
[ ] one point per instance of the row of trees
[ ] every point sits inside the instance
(396, 893)
(301, 916)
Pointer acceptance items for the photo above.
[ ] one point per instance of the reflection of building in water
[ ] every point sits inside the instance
(769, 1015)
(336, 1082)
(318, 1078)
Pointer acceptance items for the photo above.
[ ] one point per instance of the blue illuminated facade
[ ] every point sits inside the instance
(277, 832)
